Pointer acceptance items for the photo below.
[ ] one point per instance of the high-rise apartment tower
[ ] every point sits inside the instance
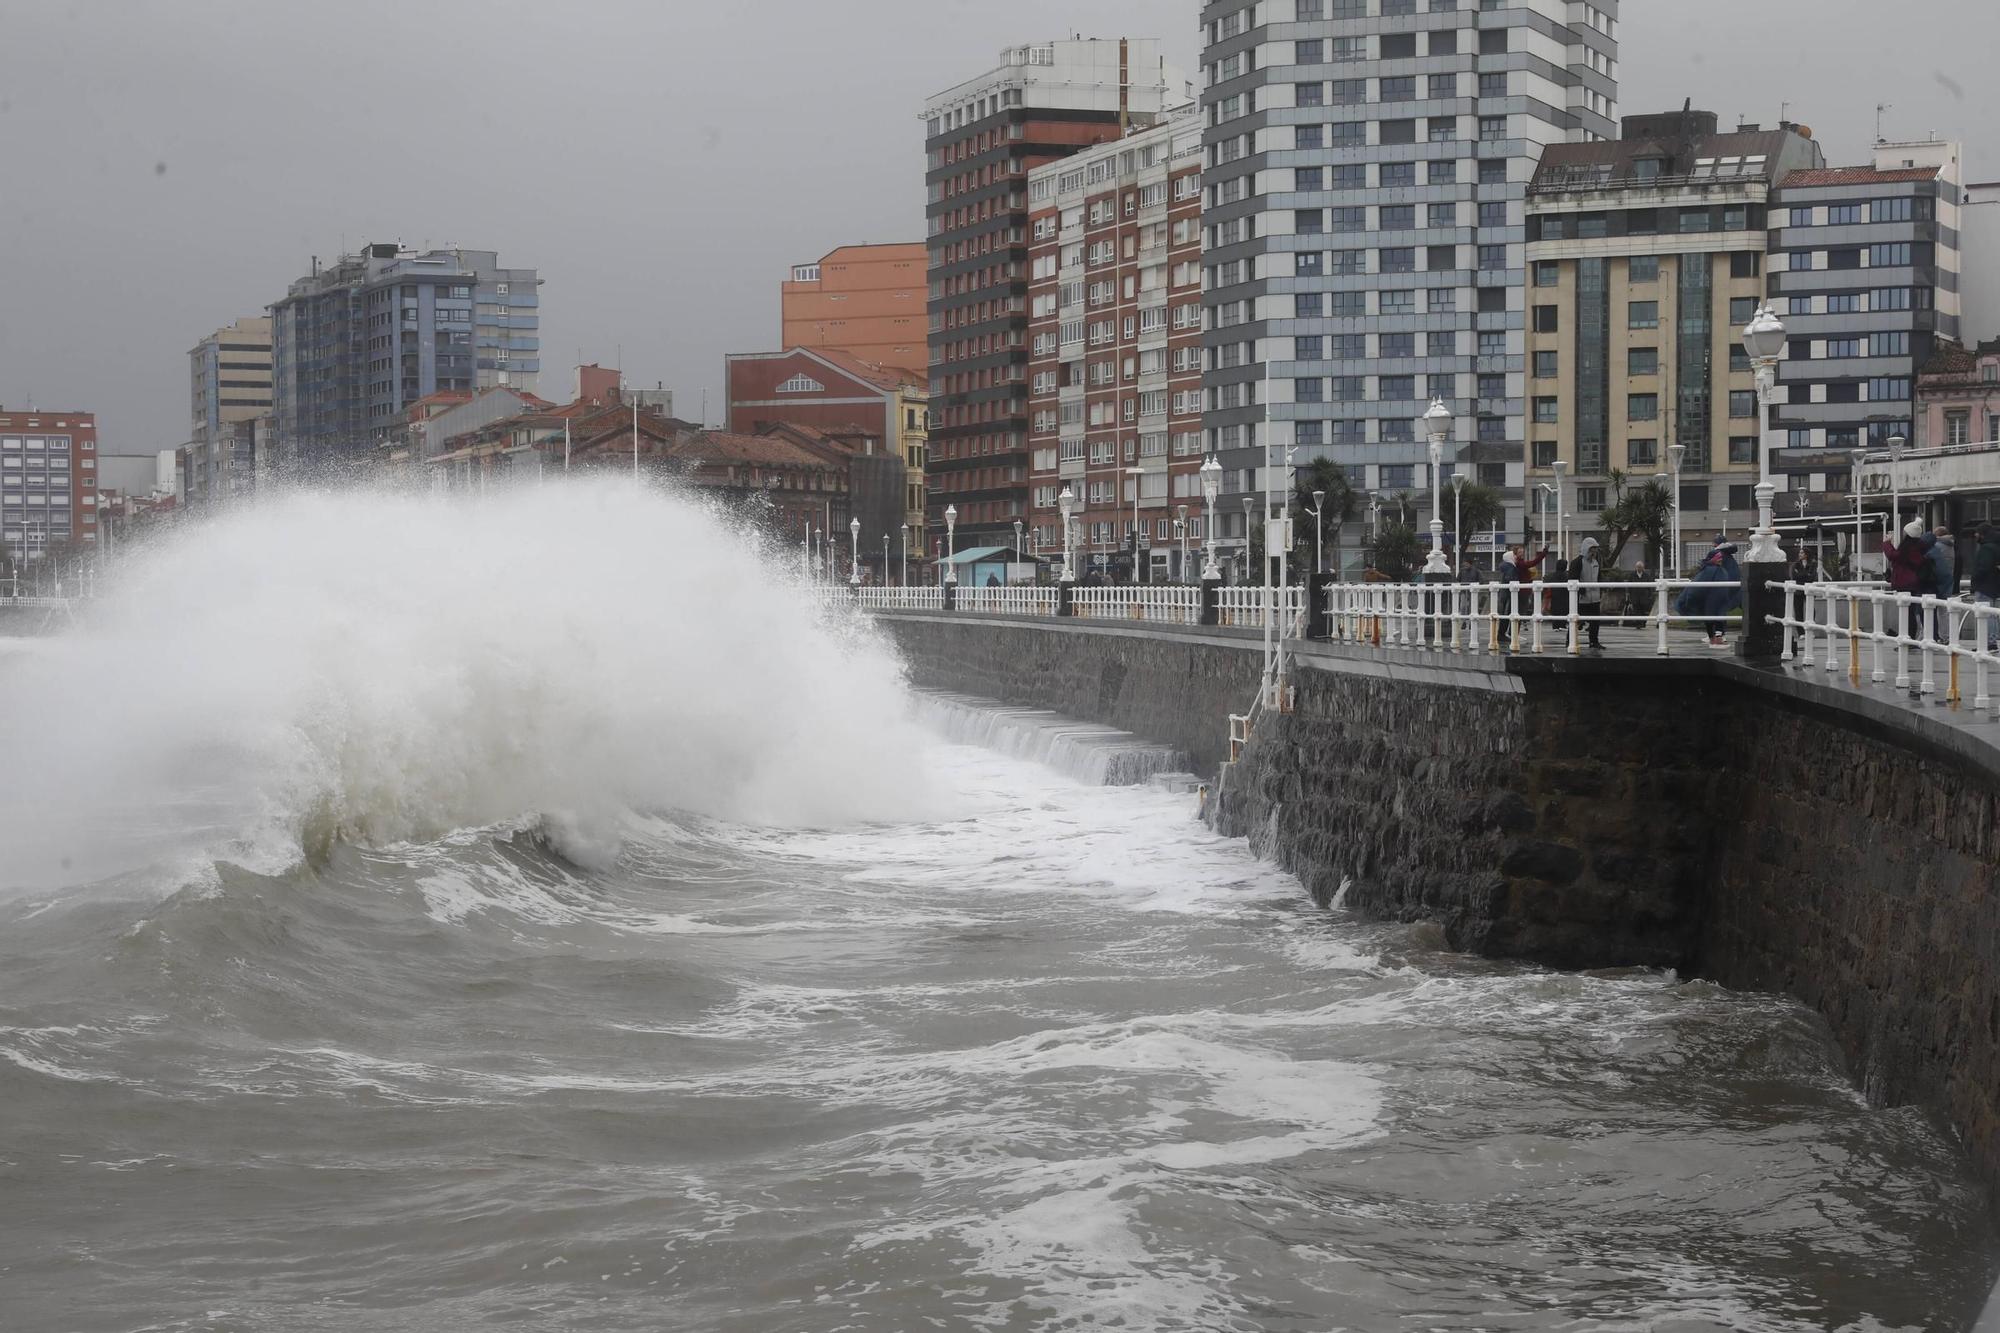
(1366, 166)
(981, 140)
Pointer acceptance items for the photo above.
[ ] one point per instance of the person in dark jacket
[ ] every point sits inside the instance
(1705, 602)
(1985, 580)
(1908, 569)
(1804, 569)
(1587, 569)
(1941, 567)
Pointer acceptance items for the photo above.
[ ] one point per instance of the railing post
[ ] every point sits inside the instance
(1902, 605)
(1660, 612)
(1925, 612)
(1763, 610)
(1981, 631)
(1575, 618)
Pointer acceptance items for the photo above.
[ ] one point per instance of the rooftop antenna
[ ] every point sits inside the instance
(1881, 107)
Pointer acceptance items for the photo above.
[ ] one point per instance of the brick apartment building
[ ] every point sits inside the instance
(864, 300)
(982, 139)
(1115, 361)
(48, 480)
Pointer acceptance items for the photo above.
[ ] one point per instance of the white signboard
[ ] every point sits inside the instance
(1934, 473)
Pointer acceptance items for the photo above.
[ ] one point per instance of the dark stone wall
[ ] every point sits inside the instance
(1858, 873)
(1755, 828)
(1175, 688)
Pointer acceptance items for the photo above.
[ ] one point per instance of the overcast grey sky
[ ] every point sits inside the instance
(169, 165)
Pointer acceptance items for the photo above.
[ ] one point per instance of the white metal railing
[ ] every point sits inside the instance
(923, 597)
(1495, 617)
(1163, 603)
(1023, 599)
(1906, 641)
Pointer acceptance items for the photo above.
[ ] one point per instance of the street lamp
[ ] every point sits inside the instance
(854, 542)
(1211, 486)
(1180, 526)
(1764, 340)
(1249, 559)
(1675, 453)
(1066, 502)
(950, 543)
(1854, 488)
(904, 532)
(1458, 513)
(1896, 443)
(1135, 473)
(885, 559)
(1560, 467)
(1319, 532)
(1017, 540)
(1437, 423)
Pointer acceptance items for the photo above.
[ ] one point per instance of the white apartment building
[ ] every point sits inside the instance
(1367, 163)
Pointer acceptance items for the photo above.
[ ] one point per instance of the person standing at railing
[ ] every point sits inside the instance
(1941, 564)
(1907, 569)
(1519, 572)
(1985, 580)
(1589, 597)
(1804, 569)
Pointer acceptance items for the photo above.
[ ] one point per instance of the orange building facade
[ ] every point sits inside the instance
(864, 300)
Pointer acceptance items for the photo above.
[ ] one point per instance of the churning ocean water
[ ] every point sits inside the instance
(532, 915)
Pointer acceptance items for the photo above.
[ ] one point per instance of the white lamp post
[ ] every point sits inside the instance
(1458, 513)
(1249, 556)
(1180, 530)
(1675, 453)
(1017, 542)
(854, 542)
(1437, 424)
(1854, 489)
(1211, 486)
(904, 532)
(1319, 532)
(1560, 467)
(885, 559)
(1896, 443)
(1066, 502)
(1764, 340)
(950, 543)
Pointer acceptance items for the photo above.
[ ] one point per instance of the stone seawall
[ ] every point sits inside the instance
(1177, 689)
(1761, 830)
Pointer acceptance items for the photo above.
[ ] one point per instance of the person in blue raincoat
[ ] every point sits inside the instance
(1710, 604)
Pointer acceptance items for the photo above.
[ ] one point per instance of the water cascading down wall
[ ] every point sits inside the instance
(1699, 814)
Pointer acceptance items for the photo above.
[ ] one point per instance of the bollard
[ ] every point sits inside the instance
(1211, 601)
(1065, 598)
(951, 597)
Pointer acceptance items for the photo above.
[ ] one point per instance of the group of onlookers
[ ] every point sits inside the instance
(1925, 563)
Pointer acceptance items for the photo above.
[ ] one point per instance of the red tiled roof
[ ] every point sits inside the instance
(886, 377)
(1950, 358)
(722, 446)
(1799, 180)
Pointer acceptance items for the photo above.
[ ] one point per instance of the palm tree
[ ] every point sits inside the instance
(1396, 552)
(1646, 511)
(1338, 504)
(1477, 509)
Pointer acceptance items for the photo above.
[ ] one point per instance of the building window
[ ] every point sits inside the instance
(1546, 320)
(1394, 175)
(1442, 171)
(1743, 448)
(1642, 315)
(1642, 361)
(1742, 309)
(1590, 499)
(1742, 403)
(1694, 496)
(1545, 410)
(1642, 407)
(1545, 365)
(1642, 453)
(1399, 476)
(1547, 272)
(1745, 264)
(1642, 268)
(1545, 453)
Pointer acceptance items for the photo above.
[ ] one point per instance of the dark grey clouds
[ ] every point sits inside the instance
(168, 166)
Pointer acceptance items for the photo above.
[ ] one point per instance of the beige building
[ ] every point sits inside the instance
(229, 388)
(1645, 259)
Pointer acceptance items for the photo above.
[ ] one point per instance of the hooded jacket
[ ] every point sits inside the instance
(1943, 561)
(1589, 570)
(1701, 600)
